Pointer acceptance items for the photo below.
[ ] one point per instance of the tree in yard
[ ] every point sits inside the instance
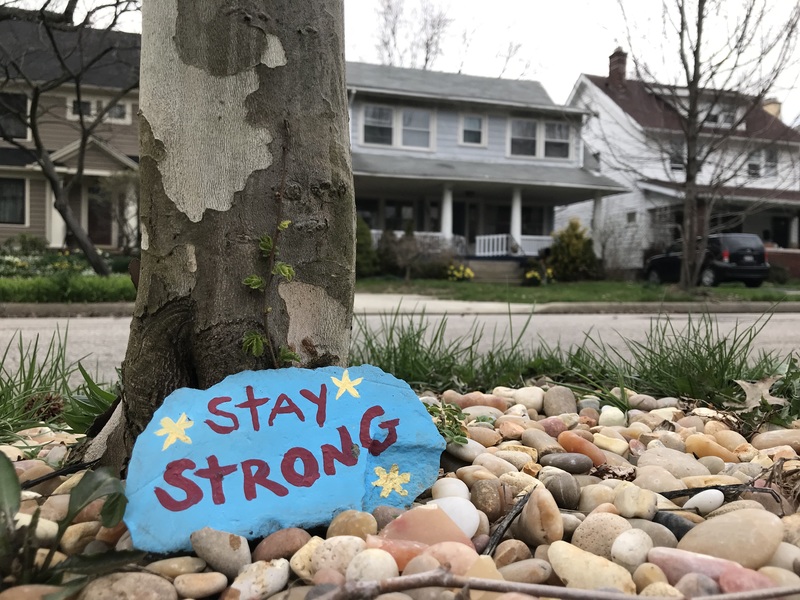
(247, 202)
(43, 54)
(414, 42)
(728, 59)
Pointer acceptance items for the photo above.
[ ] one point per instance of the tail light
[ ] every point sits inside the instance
(726, 256)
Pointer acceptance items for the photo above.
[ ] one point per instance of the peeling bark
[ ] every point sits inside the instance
(243, 123)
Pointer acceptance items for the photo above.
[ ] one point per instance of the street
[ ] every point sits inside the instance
(100, 342)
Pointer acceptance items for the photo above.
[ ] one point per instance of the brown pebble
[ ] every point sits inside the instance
(510, 551)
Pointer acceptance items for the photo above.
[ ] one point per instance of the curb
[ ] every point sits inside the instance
(432, 307)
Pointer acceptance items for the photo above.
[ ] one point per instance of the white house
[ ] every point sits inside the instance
(634, 134)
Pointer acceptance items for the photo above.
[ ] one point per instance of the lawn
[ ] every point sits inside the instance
(583, 291)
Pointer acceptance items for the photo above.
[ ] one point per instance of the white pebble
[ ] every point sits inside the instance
(463, 513)
(705, 501)
(448, 487)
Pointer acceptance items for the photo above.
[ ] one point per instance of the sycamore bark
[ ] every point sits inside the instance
(244, 123)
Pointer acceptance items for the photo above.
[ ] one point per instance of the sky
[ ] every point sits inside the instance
(559, 39)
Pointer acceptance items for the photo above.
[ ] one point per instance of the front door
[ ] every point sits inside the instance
(780, 231)
(100, 217)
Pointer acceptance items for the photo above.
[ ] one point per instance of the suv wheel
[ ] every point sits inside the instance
(653, 277)
(708, 278)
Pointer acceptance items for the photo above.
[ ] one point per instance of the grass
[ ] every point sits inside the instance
(582, 291)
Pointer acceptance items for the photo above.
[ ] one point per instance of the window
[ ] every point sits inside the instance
(770, 162)
(472, 130)
(13, 108)
(676, 156)
(630, 217)
(754, 165)
(416, 128)
(378, 125)
(523, 137)
(12, 201)
(413, 124)
(90, 108)
(556, 140)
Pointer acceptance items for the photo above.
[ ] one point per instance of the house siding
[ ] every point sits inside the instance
(96, 159)
(57, 131)
(446, 121)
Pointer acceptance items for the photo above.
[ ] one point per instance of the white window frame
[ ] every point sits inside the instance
(509, 136)
(95, 100)
(541, 130)
(545, 139)
(28, 137)
(677, 149)
(27, 223)
(755, 164)
(484, 130)
(771, 168)
(397, 127)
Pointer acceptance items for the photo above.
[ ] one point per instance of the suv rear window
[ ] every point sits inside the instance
(738, 241)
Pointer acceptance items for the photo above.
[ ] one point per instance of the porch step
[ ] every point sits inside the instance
(496, 271)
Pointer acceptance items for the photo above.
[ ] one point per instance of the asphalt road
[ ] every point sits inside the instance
(100, 342)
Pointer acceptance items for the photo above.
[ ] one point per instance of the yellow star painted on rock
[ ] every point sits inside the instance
(392, 481)
(175, 430)
(346, 385)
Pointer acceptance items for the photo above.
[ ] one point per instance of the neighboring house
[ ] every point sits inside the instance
(26, 198)
(473, 161)
(634, 134)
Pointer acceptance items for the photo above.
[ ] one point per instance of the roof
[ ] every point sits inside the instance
(416, 82)
(27, 50)
(653, 112)
(729, 193)
(408, 167)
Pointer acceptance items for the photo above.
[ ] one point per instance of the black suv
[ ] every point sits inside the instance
(729, 257)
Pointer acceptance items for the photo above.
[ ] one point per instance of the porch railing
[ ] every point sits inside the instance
(430, 241)
(503, 244)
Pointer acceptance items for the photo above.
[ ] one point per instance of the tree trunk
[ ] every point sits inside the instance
(94, 259)
(243, 125)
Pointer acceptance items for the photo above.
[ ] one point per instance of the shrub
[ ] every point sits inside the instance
(24, 244)
(67, 288)
(537, 273)
(459, 273)
(778, 274)
(572, 255)
(119, 262)
(366, 256)
(388, 248)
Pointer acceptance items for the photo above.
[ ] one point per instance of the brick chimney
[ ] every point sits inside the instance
(617, 64)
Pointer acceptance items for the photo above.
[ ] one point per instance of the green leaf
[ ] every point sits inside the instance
(93, 485)
(9, 488)
(253, 343)
(284, 270)
(98, 564)
(265, 245)
(95, 389)
(288, 356)
(284, 225)
(113, 510)
(255, 282)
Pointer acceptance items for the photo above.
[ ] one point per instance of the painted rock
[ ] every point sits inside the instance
(265, 450)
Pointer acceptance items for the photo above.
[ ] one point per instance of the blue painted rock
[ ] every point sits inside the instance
(265, 450)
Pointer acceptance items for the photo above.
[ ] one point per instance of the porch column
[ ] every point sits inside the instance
(794, 238)
(446, 223)
(57, 229)
(516, 215)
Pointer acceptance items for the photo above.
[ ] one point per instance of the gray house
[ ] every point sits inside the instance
(473, 161)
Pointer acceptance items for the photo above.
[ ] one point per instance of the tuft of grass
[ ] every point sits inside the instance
(423, 355)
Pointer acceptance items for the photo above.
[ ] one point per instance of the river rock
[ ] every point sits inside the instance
(676, 563)
(428, 524)
(648, 573)
(450, 486)
(738, 579)
(224, 552)
(611, 416)
(705, 502)
(459, 557)
(281, 544)
(660, 535)
(630, 549)
(779, 437)
(300, 562)
(559, 399)
(510, 551)
(259, 580)
(496, 465)
(540, 520)
(565, 490)
(180, 565)
(467, 452)
(372, 564)
(532, 397)
(749, 537)
(529, 570)
(697, 584)
(572, 442)
(571, 462)
(677, 463)
(584, 570)
(594, 495)
(656, 479)
(352, 522)
(129, 586)
(540, 441)
(597, 533)
(200, 585)
(462, 512)
(635, 502)
(485, 436)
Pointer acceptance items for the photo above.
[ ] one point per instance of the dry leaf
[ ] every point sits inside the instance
(758, 391)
